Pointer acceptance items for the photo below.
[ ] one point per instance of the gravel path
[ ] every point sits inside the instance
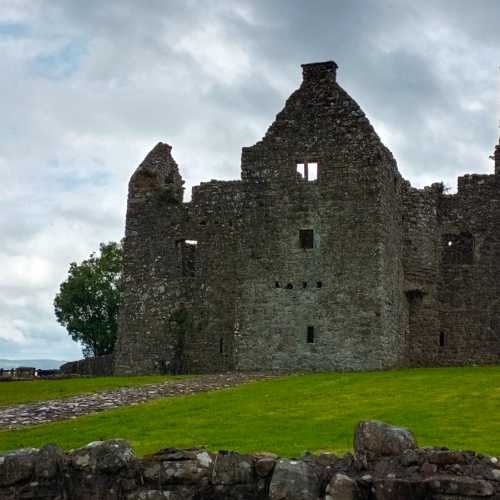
(14, 417)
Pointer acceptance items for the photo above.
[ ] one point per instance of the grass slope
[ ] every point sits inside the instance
(27, 391)
(454, 407)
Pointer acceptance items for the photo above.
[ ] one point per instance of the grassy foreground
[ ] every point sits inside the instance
(454, 407)
(27, 391)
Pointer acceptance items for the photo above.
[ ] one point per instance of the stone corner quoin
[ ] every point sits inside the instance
(322, 257)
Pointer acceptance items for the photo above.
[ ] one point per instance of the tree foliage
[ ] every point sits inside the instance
(88, 301)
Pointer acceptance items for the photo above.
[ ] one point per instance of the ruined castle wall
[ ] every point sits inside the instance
(354, 270)
(342, 287)
(421, 260)
(146, 342)
(468, 286)
(393, 300)
(215, 221)
(451, 262)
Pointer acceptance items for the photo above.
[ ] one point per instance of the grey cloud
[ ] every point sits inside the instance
(208, 77)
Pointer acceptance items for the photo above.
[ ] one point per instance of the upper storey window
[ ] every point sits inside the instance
(186, 253)
(306, 238)
(308, 171)
(458, 248)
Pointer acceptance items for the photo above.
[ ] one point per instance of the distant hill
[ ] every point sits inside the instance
(44, 364)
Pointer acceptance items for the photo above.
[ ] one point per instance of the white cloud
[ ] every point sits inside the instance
(24, 271)
(12, 331)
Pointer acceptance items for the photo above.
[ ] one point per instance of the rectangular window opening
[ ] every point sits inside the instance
(310, 334)
(441, 339)
(306, 237)
(301, 170)
(313, 172)
(186, 252)
(308, 171)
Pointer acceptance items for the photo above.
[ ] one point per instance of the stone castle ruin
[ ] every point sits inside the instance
(322, 257)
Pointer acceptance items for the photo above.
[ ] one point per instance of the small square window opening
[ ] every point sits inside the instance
(306, 237)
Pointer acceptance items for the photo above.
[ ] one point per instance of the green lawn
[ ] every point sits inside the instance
(12, 393)
(454, 407)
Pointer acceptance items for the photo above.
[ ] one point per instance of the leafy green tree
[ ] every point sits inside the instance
(88, 301)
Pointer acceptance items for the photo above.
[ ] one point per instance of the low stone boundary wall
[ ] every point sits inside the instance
(386, 465)
(99, 366)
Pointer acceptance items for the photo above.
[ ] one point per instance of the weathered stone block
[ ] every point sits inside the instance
(294, 480)
(374, 439)
(233, 468)
(461, 486)
(342, 487)
(102, 456)
(399, 489)
(17, 466)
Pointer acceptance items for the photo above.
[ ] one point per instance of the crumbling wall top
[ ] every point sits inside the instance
(158, 173)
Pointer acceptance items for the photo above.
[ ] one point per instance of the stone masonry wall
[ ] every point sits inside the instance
(386, 465)
(353, 270)
(342, 288)
(146, 342)
(99, 366)
(469, 285)
(421, 259)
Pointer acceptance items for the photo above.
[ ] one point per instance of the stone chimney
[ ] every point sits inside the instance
(314, 72)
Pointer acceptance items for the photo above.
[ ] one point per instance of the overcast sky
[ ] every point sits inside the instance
(89, 87)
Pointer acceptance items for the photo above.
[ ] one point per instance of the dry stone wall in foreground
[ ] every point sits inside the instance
(386, 465)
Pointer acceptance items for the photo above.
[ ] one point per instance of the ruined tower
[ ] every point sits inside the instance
(320, 258)
(150, 265)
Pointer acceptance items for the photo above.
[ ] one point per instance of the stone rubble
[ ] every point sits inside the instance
(109, 471)
(14, 417)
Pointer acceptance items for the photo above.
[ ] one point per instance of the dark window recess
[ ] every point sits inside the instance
(310, 334)
(186, 252)
(221, 346)
(441, 339)
(306, 237)
(304, 284)
(277, 284)
(319, 284)
(289, 286)
(415, 297)
(458, 248)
